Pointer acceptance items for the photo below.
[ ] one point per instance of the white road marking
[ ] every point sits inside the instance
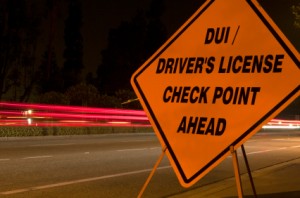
(140, 149)
(288, 139)
(269, 150)
(63, 144)
(37, 157)
(282, 148)
(156, 148)
(129, 141)
(262, 151)
(4, 160)
(78, 181)
(250, 146)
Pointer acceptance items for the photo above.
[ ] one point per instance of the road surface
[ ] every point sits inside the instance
(116, 165)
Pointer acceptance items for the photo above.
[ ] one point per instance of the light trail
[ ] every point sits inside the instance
(43, 115)
(22, 114)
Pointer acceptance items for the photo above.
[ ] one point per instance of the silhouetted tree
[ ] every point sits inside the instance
(296, 13)
(27, 62)
(156, 31)
(83, 95)
(109, 101)
(73, 53)
(125, 48)
(282, 14)
(49, 78)
(11, 16)
(53, 97)
(51, 14)
(19, 30)
(129, 46)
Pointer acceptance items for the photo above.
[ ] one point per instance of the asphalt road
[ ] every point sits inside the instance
(116, 165)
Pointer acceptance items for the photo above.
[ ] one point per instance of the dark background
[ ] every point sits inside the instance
(79, 52)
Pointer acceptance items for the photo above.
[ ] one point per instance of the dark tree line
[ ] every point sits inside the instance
(130, 45)
(29, 76)
(26, 77)
(50, 78)
(296, 13)
(73, 53)
(19, 23)
(54, 78)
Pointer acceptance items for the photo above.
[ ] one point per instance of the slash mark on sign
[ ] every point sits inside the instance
(235, 35)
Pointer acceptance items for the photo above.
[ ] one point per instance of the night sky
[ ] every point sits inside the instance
(100, 16)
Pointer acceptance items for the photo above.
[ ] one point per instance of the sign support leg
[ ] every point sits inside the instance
(249, 171)
(152, 172)
(236, 172)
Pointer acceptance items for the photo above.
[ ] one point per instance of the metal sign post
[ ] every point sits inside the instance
(236, 172)
(249, 171)
(152, 172)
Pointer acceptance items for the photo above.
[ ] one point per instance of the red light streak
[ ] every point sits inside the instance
(17, 114)
(71, 109)
(88, 116)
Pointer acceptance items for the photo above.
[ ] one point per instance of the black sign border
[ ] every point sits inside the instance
(247, 132)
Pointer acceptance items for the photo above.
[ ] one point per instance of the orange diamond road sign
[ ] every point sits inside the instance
(226, 72)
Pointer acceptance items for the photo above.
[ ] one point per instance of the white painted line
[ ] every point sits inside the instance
(1, 160)
(156, 148)
(288, 139)
(130, 141)
(256, 152)
(41, 145)
(78, 181)
(251, 153)
(251, 141)
(141, 149)
(282, 148)
(250, 146)
(37, 157)
(269, 150)
(14, 192)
